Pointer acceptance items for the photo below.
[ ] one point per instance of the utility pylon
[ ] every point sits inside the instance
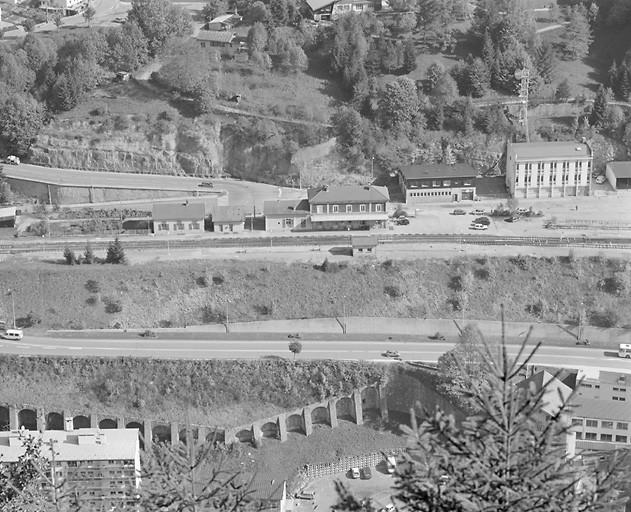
(523, 75)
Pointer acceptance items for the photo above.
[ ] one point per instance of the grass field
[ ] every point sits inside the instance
(195, 292)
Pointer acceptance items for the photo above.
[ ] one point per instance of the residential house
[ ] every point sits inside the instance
(102, 466)
(603, 385)
(548, 169)
(286, 214)
(224, 22)
(601, 423)
(228, 219)
(364, 245)
(67, 7)
(348, 207)
(216, 38)
(433, 183)
(7, 216)
(330, 10)
(619, 175)
(178, 218)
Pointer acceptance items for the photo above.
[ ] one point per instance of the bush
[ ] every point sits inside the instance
(92, 300)
(211, 315)
(69, 256)
(113, 306)
(482, 273)
(392, 291)
(605, 318)
(92, 286)
(264, 309)
(612, 285)
(455, 283)
(30, 320)
(202, 281)
(329, 266)
(218, 279)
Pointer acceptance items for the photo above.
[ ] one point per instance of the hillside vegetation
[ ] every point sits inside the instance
(214, 392)
(173, 294)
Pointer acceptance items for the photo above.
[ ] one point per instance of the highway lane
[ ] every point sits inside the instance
(368, 350)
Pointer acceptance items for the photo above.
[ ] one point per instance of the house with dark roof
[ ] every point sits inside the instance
(224, 22)
(228, 219)
(178, 218)
(548, 169)
(330, 10)
(619, 175)
(348, 207)
(216, 38)
(435, 183)
(286, 214)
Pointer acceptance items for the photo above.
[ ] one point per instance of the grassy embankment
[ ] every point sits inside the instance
(197, 292)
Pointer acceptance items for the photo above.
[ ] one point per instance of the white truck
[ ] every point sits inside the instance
(13, 160)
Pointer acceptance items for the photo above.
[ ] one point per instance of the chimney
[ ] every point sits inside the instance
(68, 424)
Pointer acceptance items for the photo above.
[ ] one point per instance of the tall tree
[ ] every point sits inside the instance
(115, 253)
(21, 118)
(349, 51)
(399, 104)
(257, 38)
(88, 14)
(545, 61)
(599, 108)
(409, 56)
(429, 18)
(127, 48)
(159, 21)
(214, 8)
(577, 38)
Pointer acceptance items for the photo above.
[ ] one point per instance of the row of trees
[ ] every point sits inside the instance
(115, 255)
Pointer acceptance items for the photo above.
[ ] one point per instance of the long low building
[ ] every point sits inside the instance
(435, 183)
(619, 175)
(100, 466)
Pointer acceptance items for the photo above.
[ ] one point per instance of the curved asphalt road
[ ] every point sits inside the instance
(371, 350)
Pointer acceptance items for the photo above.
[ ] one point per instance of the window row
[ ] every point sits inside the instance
(593, 436)
(623, 390)
(554, 165)
(619, 398)
(177, 226)
(335, 208)
(438, 193)
(620, 425)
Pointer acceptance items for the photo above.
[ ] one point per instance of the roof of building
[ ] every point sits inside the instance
(316, 5)
(543, 150)
(620, 169)
(600, 409)
(348, 194)
(605, 377)
(555, 395)
(286, 207)
(178, 211)
(223, 214)
(215, 36)
(364, 241)
(80, 444)
(224, 18)
(418, 171)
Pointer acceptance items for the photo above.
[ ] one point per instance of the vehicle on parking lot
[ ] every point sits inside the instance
(207, 184)
(12, 334)
(458, 211)
(478, 227)
(402, 221)
(13, 160)
(366, 473)
(391, 464)
(522, 211)
(306, 495)
(482, 220)
(477, 211)
(388, 508)
(355, 473)
(511, 219)
(601, 179)
(391, 353)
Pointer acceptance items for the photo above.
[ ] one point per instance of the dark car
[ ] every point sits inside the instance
(458, 211)
(511, 219)
(366, 473)
(402, 221)
(391, 353)
(482, 220)
(207, 184)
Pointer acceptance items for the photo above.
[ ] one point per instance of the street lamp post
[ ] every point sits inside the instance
(372, 170)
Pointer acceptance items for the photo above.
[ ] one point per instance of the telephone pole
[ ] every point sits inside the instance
(523, 75)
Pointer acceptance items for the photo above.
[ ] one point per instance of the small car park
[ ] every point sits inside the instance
(366, 474)
(458, 211)
(402, 221)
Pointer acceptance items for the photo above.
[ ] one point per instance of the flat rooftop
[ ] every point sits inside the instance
(600, 409)
(620, 169)
(419, 171)
(545, 150)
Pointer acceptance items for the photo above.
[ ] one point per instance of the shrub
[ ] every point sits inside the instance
(520, 262)
(604, 318)
(113, 306)
(218, 279)
(211, 315)
(535, 309)
(329, 266)
(92, 286)
(455, 283)
(392, 291)
(482, 273)
(202, 281)
(612, 285)
(92, 300)
(263, 309)
(30, 320)
(88, 255)
(69, 256)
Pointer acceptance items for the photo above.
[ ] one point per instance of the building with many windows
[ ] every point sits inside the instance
(102, 467)
(548, 169)
(178, 218)
(348, 207)
(433, 183)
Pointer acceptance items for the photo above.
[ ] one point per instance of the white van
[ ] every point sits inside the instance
(12, 334)
(624, 350)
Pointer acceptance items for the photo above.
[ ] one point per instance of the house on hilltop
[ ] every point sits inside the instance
(330, 10)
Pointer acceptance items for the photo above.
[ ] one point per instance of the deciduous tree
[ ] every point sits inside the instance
(127, 48)
(88, 14)
(257, 38)
(214, 8)
(399, 104)
(599, 108)
(21, 118)
(159, 21)
(577, 37)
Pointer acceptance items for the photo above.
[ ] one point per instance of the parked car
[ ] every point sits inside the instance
(522, 211)
(355, 473)
(306, 495)
(511, 219)
(482, 220)
(12, 334)
(366, 474)
(391, 464)
(458, 211)
(601, 179)
(402, 221)
(207, 184)
(388, 508)
(391, 353)
(437, 336)
(13, 160)
(295, 335)
(477, 211)
(478, 227)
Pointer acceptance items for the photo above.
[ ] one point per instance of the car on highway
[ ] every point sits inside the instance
(478, 227)
(437, 336)
(306, 495)
(12, 334)
(458, 211)
(207, 184)
(402, 221)
(512, 218)
(391, 353)
(13, 160)
(366, 474)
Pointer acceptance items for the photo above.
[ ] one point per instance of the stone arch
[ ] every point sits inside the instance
(27, 418)
(294, 423)
(320, 416)
(245, 436)
(5, 422)
(80, 422)
(216, 436)
(370, 398)
(345, 409)
(108, 423)
(194, 435)
(270, 430)
(141, 431)
(161, 433)
(54, 421)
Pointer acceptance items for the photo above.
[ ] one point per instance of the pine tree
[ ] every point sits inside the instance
(69, 256)
(478, 78)
(488, 50)
(545, 62)
(599, 108)
(563, 91)
(409, 56)
(115, 253)
(88, 254)
(624, 82)
(577, 37)
(612, 77)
